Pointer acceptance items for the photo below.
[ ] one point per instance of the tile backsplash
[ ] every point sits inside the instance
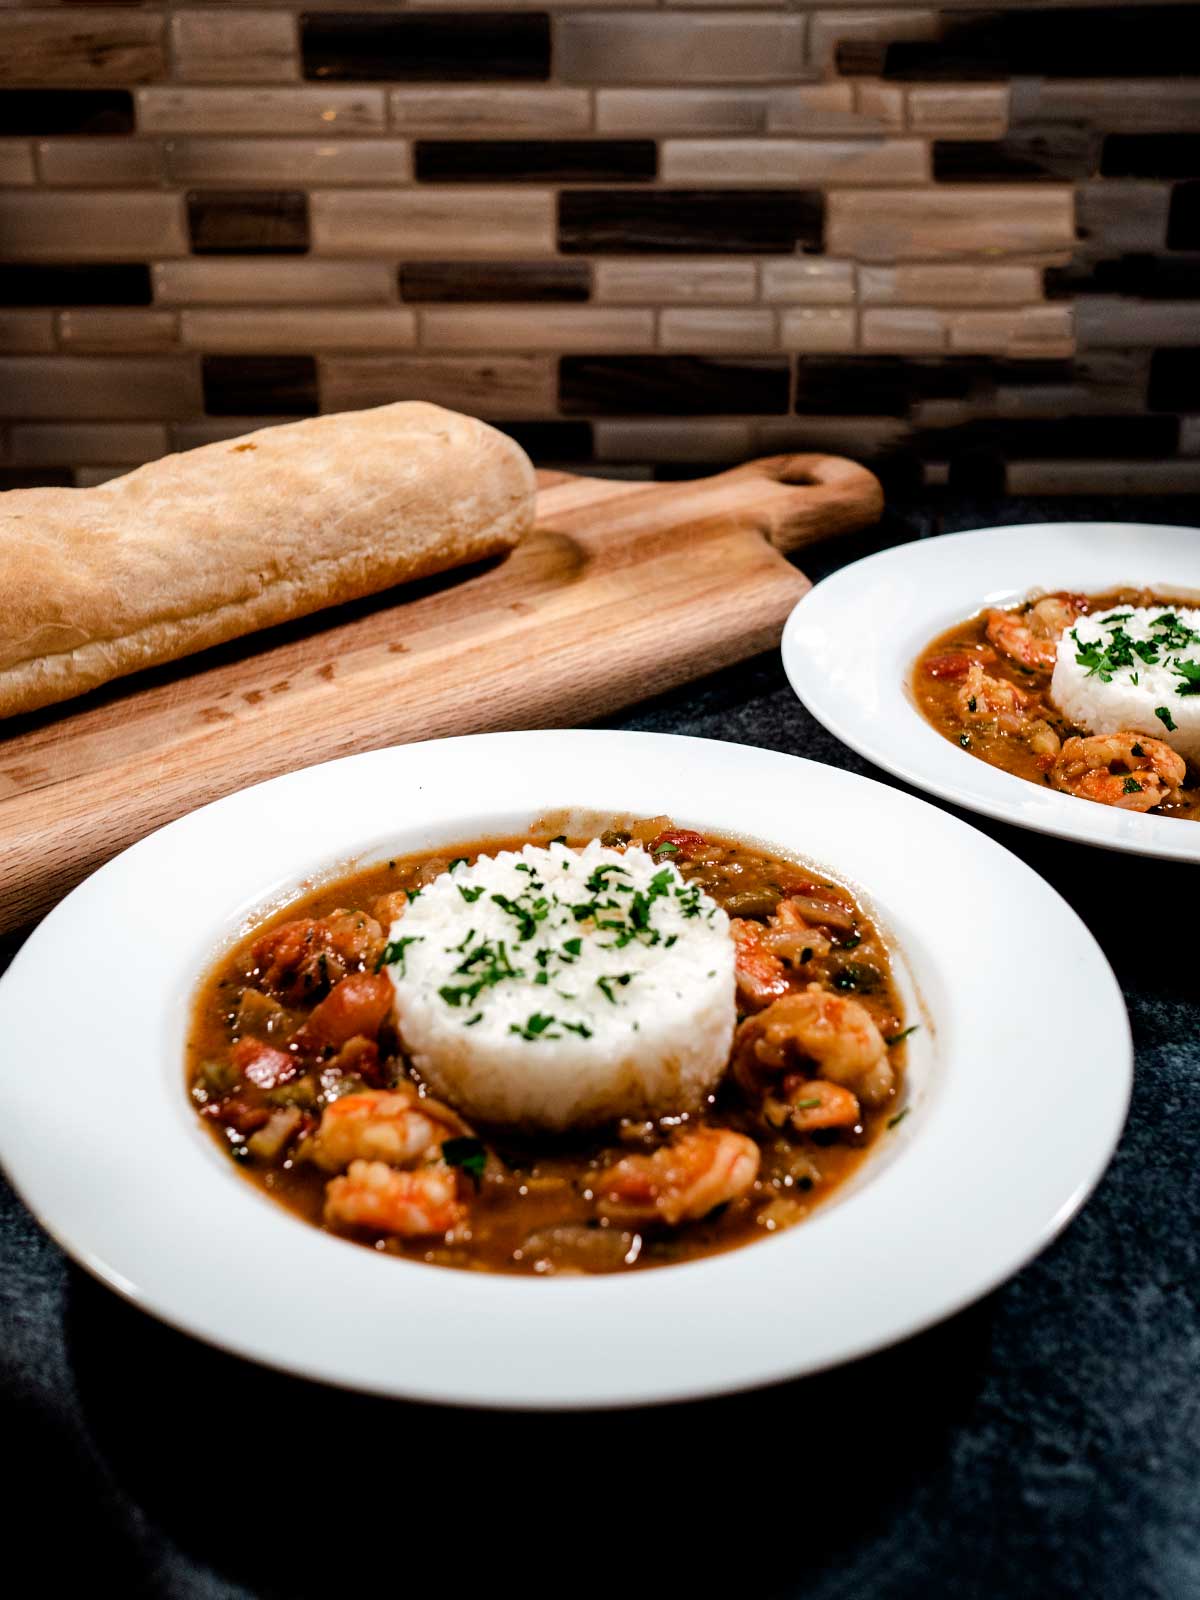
(961, 242)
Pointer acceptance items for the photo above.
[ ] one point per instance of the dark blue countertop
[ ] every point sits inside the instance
(1044, 1443)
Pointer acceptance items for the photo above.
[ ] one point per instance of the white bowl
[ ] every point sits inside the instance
(1017, 1088)
(850, 644)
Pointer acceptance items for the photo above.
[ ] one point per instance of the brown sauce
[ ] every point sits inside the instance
(1026, 738)
(529, 1205)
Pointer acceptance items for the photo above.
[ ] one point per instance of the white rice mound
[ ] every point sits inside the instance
(624, 1011)
(1123, 703)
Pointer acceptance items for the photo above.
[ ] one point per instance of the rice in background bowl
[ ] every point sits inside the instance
(1106, 693)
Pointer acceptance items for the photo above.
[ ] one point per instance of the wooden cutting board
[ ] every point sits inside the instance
(623, 590)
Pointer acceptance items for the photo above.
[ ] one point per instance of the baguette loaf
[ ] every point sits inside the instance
(204, 546)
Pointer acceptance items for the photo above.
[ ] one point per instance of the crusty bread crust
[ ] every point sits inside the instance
(213, 543)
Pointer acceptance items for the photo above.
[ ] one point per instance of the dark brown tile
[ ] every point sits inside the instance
(671, 385)
(1175, 380)
(1054, 438)
(40, 112)
(1147, 277)
(1183, 222)
(88, 283)
(238, 386)
(492, 281)
(690, 221)
(545, 442)
(249, 222)
(535, 160)
(36, 478)
(888, 386)
(1071, 42)
(426, 46)
(1152, 155)
(1056, 153)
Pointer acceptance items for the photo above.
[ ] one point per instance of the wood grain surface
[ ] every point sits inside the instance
(623, 590)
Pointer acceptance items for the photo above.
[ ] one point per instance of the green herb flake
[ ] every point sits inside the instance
(894, 1122)
(1165, 717)
(964, 739)
(536, 1027)
(470, 895)
(393, 952)
(469, 1154)
(899, 1038)
(459, 861)
(807, 1105)
(1131, 786)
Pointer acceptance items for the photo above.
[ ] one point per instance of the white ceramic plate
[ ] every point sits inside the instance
(849, 648)
(1018, 1088)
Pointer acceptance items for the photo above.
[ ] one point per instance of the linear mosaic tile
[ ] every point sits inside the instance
(101, 163)
(90, 48)
(691, 221)
(606, 222)
(75, 283)
(243, 280)
(248, 222)
(535, 161)
(425, 46)
(281, 385)
(52, 111)
(684, 385)
(453, 281)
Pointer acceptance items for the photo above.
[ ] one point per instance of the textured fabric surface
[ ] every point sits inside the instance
(1045, 1442)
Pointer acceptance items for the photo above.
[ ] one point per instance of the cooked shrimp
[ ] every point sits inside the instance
(682, 1181)
(835, 1032)
(1030, 638)
(760, 974)
(356, 1007)
(392, 1125)
(791, 938)
(812, 1103)
(983, 699)
(1129, 770)
(376, 1196)
(302, 959)
(390, 908)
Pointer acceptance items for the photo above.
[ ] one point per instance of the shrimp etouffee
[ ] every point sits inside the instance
(988, 685)
(296, 1067)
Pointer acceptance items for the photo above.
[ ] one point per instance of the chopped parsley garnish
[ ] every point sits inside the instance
(470, 895)
(536, 1027)
(459, 861)
(528, 916)
(581, 1028)
(894, 1122)
(1131, 786)
(898, 1038)
(1136, 750)
(485, 966)
(572, 948)
(605, 985)
(1189, 671)
(1165, 717)
(393, 952)
(469, 1154)
(807, 1105)
(666, 849)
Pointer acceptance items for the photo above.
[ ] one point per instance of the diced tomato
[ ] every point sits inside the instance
(261, 1064)
(952, 666)
(360, 1004)
(685, 843)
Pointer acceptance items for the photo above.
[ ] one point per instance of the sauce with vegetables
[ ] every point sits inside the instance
(985, 684)
(296, 1068)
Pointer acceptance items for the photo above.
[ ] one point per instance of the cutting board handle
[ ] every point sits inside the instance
(796, 499)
